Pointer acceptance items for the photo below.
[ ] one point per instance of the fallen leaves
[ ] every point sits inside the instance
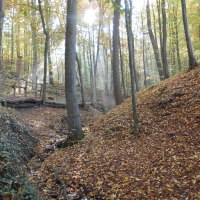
(111, 163)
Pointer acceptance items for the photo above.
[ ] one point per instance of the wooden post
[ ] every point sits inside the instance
(25, 89)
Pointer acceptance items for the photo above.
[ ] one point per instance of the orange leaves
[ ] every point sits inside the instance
(161, 163)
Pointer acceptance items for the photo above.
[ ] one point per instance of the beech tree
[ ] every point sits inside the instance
(128, 13)
(192, 60)
(115, 56)
(74, 121)
(164, 49)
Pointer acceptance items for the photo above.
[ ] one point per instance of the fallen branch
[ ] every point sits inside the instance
(62, 183)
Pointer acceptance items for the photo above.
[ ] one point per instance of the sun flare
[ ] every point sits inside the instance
(90, 16)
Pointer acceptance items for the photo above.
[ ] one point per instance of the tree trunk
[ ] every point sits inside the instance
(46, 33)
(192, 60)
(154, 42)
(47, 18)
(92, 73)
(115, 58)
(122, 69)
(50, 66)
(164, 54)
(34, 44)
(12, 41)
(160, 28)
(177, 39)
(81, 80)
(143, 54)
(133, 46)
(131, 64)
(74, 121)
(2, 8)
(105, 55)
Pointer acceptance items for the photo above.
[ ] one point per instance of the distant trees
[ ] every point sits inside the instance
(192, 60)
(103, 57)
(74, 122)
(154, 42)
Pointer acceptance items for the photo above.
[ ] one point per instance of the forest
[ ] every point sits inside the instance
(99, 99)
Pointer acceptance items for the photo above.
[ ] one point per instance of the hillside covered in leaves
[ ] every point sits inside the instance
(161, 162)
(17, 146)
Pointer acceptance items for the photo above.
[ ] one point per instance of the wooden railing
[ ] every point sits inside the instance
(25, 85)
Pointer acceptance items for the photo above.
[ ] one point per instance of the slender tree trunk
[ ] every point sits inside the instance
(46, 47)
(47, 19)
(154, 23)
(105, 55)
(165, 63)
(12, 41)
(2, 8)
(154, 42)
(160, 28)
(192, 60)
(25, 52)
(92, 71)
(144, 62)
(177, 39)
(81, 80)
(74, 121)
(115, 59)
(122, 69)
(133, 45)
(111, 53)
(34, 44)
(131, 64)
(50, 66)
(18, 41)
(97, 52)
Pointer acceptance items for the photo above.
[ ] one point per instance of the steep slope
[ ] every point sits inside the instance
(170, 107)
(162, 162)
(17, 146)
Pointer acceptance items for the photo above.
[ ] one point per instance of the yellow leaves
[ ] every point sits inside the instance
(189, 167)
(178, 172)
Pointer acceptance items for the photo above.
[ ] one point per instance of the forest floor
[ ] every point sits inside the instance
(161, 162)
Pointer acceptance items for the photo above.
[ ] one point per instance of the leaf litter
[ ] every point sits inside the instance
(161, 162)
